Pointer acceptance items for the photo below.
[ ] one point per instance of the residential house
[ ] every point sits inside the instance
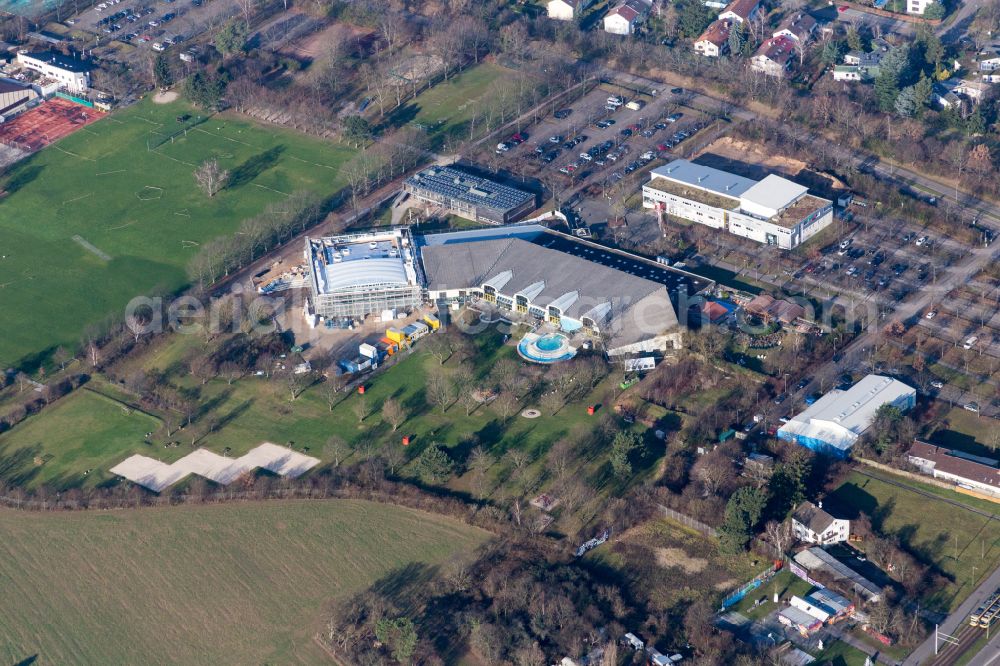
(741, 10)
(918, 7)
(798, 27)
(774, 56)
(861, 66)
(811, 524)
(962, 469)
(953, 92)
(567, 10)
(988, 64)
(846, 73)
(627, 16)
(715, 40)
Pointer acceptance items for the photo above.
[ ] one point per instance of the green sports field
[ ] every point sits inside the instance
(222, 584)
(96, 218)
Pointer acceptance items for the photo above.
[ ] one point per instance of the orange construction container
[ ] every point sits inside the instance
(406, 440)
(590, 410)
(361, 389)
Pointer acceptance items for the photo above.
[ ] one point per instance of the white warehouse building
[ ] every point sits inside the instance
(773, 211)
(832, 424)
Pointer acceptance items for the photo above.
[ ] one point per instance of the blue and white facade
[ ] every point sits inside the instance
(832, 424)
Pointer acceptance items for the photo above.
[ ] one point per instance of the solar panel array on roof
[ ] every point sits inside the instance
(463, 186)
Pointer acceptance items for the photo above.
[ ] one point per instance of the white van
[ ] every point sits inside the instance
(971, 341)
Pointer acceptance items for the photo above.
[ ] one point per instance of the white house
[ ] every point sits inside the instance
(715, 40)
(918, 6)
(567, 10)
(846, 73)
(774, 211)
(950, 93)
(798, 27)
(774, 56)
(624, 18)
(811, 524)
(71, 72)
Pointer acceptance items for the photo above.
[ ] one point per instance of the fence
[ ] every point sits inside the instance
(687, 521)
(750, 586)
(74, 99)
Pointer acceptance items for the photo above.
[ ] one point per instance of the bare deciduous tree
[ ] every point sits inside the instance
(505, 404)
(393, 413)
(210, 177)
(335, 449)
(136, 325)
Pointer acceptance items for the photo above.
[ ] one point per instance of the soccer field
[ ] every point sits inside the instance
(245, 583)
(97, 218)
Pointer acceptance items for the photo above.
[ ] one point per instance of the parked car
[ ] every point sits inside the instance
(562, 113)
(930, 314)
(971, 406)
(972, 340)
(556, 138)
(937, 384)
(677, 91)
(921, 241)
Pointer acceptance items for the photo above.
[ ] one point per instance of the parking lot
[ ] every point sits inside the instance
(602, 138)
(152, 25)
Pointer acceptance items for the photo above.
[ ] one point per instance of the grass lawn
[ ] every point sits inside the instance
(950, 538)
(785, 583)
(446, 109)
(254, 409)
(96, 219)
(218, 584)
(839, 653)
(82, 431)
(968, 432)
(673, 565)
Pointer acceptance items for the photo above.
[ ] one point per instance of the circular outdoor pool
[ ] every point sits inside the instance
(550, 348)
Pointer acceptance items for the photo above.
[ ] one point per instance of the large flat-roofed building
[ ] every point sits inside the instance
(773, 211)
(627, 302)
(832, 424)
(14, 97)
(470, 196)
(71, 72)
(356, 275)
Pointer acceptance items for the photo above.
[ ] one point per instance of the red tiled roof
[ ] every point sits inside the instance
(777, 49)
(945, 461)
(717, 33)
(742, 8)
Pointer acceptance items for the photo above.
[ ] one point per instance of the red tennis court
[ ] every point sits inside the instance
(46, 123)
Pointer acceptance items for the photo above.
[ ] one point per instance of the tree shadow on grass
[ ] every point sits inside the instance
(21, 177)
(407, 113)
(254, 166)
(17, 467)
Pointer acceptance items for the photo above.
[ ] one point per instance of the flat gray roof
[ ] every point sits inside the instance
(705, 178)
(636, 306)
(774, 192)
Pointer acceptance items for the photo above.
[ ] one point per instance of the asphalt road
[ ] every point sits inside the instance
(955, 623)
